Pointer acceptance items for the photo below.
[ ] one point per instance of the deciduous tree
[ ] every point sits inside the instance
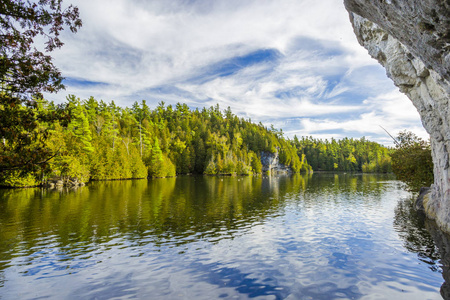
(26, 73)
(412, 161)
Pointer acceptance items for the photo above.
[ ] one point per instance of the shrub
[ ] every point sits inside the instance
(412, 162)
(18, 179)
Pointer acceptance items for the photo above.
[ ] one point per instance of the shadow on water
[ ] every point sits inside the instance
(422, 236)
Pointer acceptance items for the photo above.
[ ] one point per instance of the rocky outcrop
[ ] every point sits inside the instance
(424, 196)
(59, 183)
(411, 39)
(423, 26)
(271, 163)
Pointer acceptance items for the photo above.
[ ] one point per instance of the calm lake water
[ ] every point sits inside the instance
(321, 236)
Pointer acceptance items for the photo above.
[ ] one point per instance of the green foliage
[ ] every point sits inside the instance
(211, 167)
(18, 179)
(169, 167)
(256, 164)
(138, 168)
(24, 130)
(158, 164)
(79, 128)
(162, 167)
(103, 141)
(25, 73)
(69, 166)
(350, 155)
(412, 162)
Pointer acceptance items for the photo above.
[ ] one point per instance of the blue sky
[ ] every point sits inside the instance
(291, 63)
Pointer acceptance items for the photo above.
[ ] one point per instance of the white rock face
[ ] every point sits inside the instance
(429, 90)
(271, 162)
(423, 26)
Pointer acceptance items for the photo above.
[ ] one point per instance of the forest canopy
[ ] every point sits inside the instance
(104, 141)
(350, 155)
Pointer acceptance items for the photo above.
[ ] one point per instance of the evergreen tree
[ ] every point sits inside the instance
(103, 141)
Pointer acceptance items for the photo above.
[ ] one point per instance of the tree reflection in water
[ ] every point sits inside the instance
(422, 236)
(324, 236)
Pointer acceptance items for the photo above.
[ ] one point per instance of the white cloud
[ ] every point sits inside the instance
(391, 111)
(322, 76)
(257, 99)
(174, 42)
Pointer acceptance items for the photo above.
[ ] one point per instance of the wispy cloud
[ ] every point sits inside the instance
(391, 111)
(295, 64)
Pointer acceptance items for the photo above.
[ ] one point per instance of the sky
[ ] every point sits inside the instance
(293, 64)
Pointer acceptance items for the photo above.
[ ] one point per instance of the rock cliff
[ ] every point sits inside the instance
(271, 163)
(411, 39)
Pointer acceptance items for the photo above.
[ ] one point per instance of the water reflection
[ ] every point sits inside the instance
(172, 211)
(411, 228)
(228, 277)
(442, 241)
(422, 236)
(321, 236)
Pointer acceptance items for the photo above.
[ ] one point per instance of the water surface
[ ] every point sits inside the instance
(321, 236)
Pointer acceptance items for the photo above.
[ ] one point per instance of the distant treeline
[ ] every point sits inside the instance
(104, 141)
(352, 155)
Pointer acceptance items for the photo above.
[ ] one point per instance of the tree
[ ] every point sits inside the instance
(412, 162)
(25, 73)
(79, 127)
(200, 156)
(102, 141)
(256, 164)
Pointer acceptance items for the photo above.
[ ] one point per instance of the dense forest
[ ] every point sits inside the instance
(103, 141)
(99, 141)
(352, 155)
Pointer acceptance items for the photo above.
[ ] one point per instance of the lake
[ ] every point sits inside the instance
(319, 236)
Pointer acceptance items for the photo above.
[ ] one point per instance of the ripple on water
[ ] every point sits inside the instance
(294, 240)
